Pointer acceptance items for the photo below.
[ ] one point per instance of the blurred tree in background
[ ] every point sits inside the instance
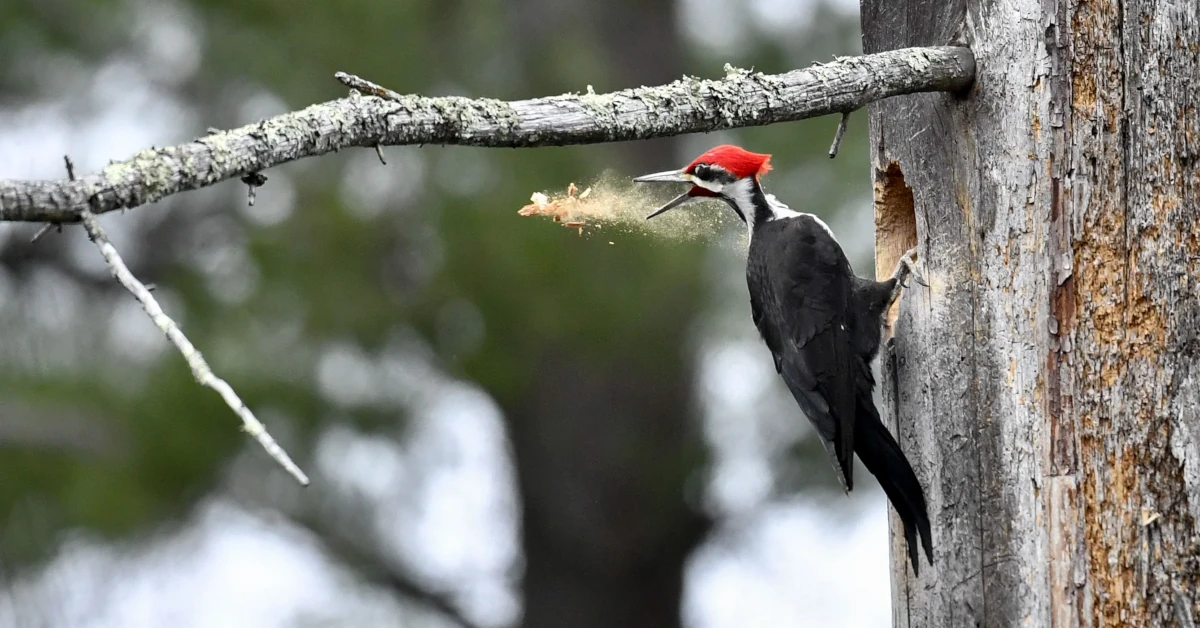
(377, 316)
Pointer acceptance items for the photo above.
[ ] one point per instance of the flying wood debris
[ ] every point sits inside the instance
(569, 210)
(614, 203)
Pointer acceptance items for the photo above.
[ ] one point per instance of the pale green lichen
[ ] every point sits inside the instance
(145, 177)
(918, 61)
(218, 149)
(604, 111)
(742, 97)
(469, 119)
(727, 95)
(658, 111)
(770, 87)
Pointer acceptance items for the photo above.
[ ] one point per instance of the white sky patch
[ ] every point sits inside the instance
(781, 17)
(371, 467)
(735, 374)
(733, 379)
(54, 301)
(785, 18)
(740, 482)
(346, 375)
(256, 103)
(465, 535)
(170, 37)
(721, 28)
(446, 507)
(132, 114)
(854, 222)
(718, 27)
(217, 248)
(442, 500)
(121, 230)
(272, 205)
(369, 187)
(444, 497)
(794, 564)
(226, 569)
(132, 335)
(116, 114)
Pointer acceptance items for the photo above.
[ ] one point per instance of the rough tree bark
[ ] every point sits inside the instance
(1047, 383)
(688, 105)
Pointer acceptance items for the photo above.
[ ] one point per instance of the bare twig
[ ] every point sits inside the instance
(200, 369)
(689, 105)
(253, 181)
(44, 230)
(363, 86)
(837, 137)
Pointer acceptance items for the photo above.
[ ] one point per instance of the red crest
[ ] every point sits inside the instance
(738, 161)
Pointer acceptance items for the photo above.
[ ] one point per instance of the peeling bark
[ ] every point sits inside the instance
(689, 105)
(1047, 384)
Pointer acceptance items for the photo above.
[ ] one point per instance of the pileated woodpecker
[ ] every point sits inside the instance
(822, 323)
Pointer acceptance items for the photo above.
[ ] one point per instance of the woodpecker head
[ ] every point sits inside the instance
(726, 172)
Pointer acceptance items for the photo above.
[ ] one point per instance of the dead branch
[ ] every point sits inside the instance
(689, 105)
(200, 369)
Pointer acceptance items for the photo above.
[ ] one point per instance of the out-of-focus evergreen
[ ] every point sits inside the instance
(585, 346)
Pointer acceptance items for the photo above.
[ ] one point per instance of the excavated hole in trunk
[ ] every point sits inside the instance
(895, 224)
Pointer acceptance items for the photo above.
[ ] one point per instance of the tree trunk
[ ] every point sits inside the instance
(605, 451)
(1047, 384)
(603, 458)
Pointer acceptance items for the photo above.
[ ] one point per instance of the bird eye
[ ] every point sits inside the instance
(702, 171)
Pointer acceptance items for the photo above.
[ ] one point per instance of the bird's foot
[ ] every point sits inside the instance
(908, 266)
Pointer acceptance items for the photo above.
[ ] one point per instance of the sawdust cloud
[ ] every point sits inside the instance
(613, 205)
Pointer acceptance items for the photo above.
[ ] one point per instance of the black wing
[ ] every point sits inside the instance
(811, 281)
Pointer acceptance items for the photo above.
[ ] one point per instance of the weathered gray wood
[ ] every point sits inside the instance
(1047, 384)
(688, 105)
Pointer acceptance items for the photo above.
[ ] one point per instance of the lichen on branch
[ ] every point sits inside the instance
(689, 105)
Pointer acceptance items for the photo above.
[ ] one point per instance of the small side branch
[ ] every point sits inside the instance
(837, 137)
(200, 369)
(380, 117)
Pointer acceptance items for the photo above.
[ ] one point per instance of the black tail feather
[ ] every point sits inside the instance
(882, 456)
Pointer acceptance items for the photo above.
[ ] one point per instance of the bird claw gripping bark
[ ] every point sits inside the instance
(908, 266)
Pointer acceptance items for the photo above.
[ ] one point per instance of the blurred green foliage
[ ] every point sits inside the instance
(346, 276)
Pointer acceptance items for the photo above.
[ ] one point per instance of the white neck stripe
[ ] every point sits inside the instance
(741, 193)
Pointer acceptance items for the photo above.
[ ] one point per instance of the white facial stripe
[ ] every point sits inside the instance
(741, 192)
(711, 186)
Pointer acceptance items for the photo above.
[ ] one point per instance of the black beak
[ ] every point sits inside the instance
(670, 176)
